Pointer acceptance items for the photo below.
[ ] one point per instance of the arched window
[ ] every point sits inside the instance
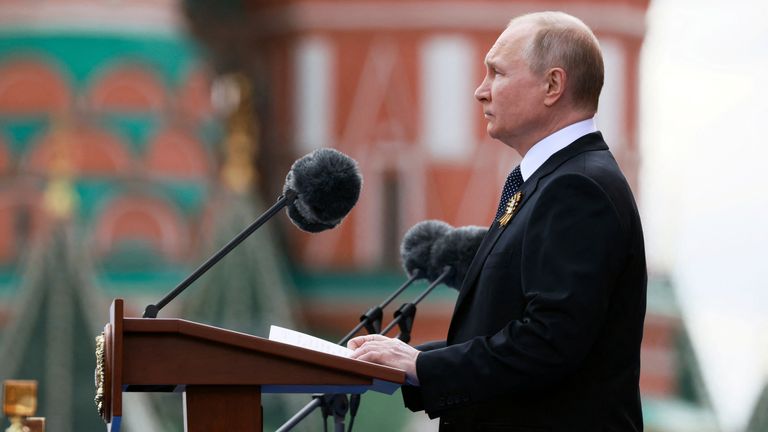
(175, 154)
(127, 88)
(87, 150)
(140, 229)
(32, 86)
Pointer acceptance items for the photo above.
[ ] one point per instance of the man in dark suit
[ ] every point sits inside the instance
(546, 332)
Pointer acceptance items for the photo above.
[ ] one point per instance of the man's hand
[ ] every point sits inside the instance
(386, 351)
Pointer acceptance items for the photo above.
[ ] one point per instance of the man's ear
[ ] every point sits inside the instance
(556, 80)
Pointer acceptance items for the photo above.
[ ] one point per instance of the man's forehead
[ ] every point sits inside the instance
(510, 38)
(496, 50)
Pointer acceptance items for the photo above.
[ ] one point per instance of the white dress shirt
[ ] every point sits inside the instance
(544, 149)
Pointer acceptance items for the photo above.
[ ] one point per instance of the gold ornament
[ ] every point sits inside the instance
(512, 206)
(99, 374)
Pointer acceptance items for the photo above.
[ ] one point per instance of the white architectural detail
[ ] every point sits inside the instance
(447, 106)
(313, 102)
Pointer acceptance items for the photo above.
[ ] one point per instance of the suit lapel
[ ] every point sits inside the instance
(487, 244)
(590, 142)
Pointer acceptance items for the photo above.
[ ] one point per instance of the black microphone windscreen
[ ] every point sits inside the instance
(417, 243)
(327, 183)
(455, 249)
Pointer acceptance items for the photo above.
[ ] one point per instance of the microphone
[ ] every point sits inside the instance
(416, 247)
(320, 189)
(415, 253)
(327, 185)
(450, 256)
(455, 250)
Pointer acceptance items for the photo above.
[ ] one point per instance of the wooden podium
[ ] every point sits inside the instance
(221, 372)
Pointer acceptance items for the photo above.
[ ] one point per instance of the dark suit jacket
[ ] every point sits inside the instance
(546, 332)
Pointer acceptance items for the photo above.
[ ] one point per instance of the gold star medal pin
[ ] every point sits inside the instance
(512, 206)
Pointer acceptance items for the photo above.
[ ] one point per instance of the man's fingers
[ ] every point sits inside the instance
(355, 343)
(366, 347)
(371, 356)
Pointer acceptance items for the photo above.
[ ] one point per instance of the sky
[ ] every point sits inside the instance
(704, 188)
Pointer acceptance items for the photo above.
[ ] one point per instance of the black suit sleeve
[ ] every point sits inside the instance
(432, 345)
(411, 394)
(572, 253)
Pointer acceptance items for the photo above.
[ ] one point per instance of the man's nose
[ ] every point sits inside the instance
(481, 92)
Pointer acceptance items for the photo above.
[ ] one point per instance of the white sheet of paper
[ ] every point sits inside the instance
(303, 340)
(293, 337)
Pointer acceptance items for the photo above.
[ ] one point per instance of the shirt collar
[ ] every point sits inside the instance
(542, 150)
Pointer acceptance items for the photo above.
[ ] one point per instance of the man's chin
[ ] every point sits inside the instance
(492, 132)
(496, 135)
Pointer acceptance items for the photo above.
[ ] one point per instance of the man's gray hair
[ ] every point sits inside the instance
(564, 41)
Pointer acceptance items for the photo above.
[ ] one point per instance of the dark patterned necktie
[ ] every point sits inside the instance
(513, 183)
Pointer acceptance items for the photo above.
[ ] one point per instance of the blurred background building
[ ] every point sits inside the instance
(136, 137)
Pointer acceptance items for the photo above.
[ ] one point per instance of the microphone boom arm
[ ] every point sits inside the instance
(286, 199)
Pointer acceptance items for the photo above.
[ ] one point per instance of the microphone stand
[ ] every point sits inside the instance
(403, 317)
(371, 320)
(408, 314)
(286, 199)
